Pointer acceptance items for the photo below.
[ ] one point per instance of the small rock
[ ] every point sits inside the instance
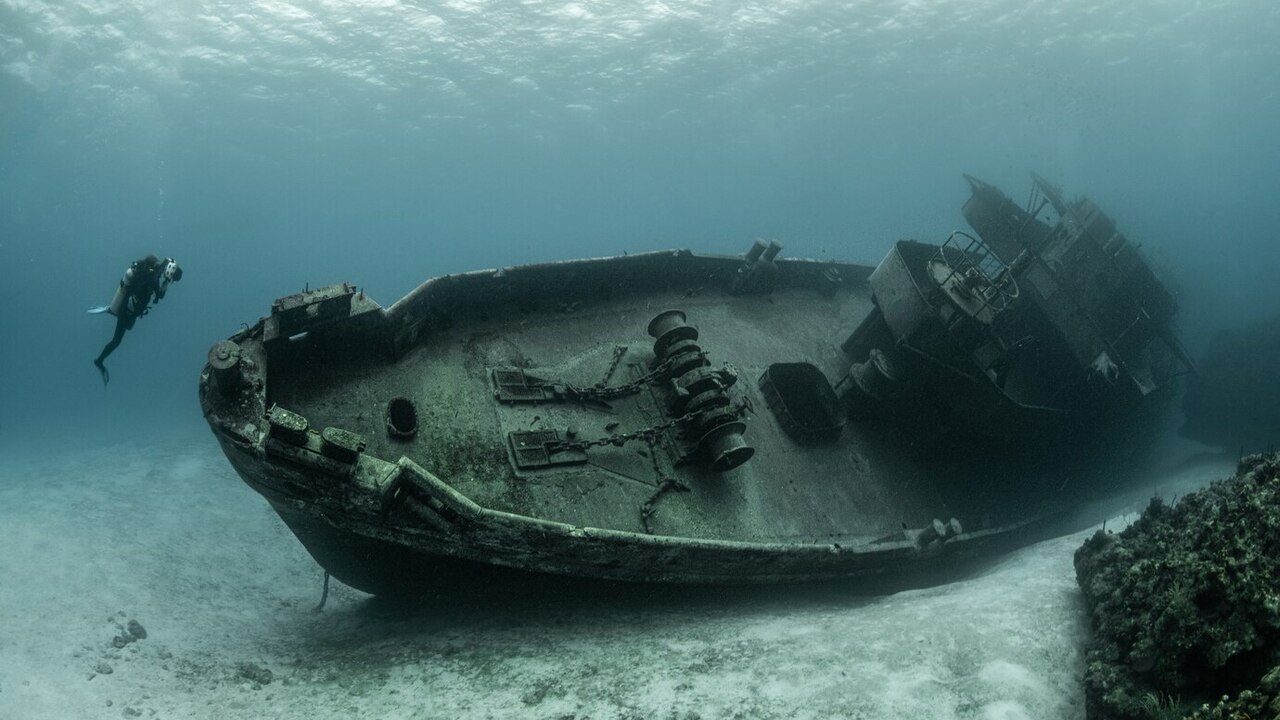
(132, 712)
(534, 696)
(103, 669)
(254, 673)
(136, 630)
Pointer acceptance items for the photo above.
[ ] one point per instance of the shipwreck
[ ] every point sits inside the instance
(671, 417)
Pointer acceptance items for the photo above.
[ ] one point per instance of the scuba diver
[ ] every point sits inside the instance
(146, 278)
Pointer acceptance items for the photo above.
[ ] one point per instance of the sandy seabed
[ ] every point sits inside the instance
(166, 535)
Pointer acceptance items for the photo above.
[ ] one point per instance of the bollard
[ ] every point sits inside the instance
(224, 360)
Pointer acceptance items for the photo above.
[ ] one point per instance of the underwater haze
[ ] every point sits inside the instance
(269, 146)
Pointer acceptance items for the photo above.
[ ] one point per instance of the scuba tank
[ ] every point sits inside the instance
(117, 301)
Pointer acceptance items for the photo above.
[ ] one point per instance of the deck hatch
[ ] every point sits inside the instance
(533, 449)
(511, 385)
(802, 400)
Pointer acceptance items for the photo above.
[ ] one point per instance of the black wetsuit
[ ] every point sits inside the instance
(141, 283)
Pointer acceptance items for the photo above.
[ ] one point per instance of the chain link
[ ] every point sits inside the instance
(618, 352)
(599, 392)
(649, 435)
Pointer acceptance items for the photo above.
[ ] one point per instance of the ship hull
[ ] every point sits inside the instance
(374, 557)
(675, 418)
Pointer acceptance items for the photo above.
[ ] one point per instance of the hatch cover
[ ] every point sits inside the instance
(512, 385)
(533, 449)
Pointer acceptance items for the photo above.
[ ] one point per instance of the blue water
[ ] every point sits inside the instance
(272, 145)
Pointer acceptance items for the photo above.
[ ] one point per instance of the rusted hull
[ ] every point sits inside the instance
(517, 422)
(374, 553)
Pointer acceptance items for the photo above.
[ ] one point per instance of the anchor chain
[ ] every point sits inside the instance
(649, 507)
(648, 434)
(708, 419)
(618, 352)
(600, 392)
(619, 439)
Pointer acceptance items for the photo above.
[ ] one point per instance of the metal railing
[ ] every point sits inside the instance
(976, 273)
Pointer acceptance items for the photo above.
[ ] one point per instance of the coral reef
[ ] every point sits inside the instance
(1185, 602)
(1262, 702)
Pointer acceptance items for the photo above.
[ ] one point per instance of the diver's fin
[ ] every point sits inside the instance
(100, 310)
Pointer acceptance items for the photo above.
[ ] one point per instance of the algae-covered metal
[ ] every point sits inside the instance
(669, 417)
(1048, 316)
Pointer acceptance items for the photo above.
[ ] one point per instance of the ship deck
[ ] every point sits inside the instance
(869, 482)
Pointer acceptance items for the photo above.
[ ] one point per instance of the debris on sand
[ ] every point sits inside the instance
(130, 632)
(1185, 603)
(254, 673)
